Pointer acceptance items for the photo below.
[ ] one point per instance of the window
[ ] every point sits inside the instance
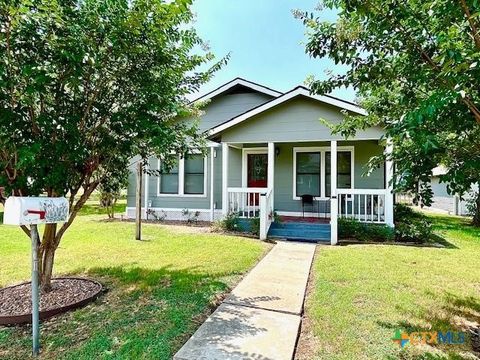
(185, 178)
(194, 174)
(308, 173)
(169, 179)
(311, 170)
(344, 171)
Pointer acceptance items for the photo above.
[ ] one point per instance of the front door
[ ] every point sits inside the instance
(257, 174)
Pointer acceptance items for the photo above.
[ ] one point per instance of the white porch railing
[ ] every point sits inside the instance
(252, 203)
(266, 213)
(365, 205)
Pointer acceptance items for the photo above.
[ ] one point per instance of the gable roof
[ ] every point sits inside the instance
(298, 91)
(236, 83)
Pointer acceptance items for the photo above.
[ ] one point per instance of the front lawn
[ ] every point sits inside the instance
(360, 295)
(160, 289)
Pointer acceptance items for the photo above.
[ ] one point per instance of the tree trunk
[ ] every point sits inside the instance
(476, 214)
(47, 250)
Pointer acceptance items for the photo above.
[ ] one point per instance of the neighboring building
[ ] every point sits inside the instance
(444, 201)
(266, 149)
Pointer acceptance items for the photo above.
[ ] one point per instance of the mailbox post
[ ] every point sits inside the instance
(33, 211)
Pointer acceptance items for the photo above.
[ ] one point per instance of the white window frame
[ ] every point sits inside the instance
(322, 150)
(181, 178)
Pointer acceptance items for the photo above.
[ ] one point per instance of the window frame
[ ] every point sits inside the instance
(322, 150)
(181, 178)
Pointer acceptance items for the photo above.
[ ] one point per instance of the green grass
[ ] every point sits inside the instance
(363, 293)
(160, 289)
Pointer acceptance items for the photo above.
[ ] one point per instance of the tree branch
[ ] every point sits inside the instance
(466, 10)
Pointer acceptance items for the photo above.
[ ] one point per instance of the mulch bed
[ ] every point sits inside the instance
(67, 293)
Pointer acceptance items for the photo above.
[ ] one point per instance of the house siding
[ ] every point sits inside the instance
(283, 184)
(295, 120)
(223, 108)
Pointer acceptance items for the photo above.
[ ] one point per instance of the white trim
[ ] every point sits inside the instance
(322, 150)
(225, 156)
(333, 193)
(271, 170)
(235, 82)
(147, 179)
(181, 179)
(175, 212)
(245, 153)
(212, 186)
(281, 99)
(307, 214)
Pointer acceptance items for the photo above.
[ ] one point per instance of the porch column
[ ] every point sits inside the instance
(212, 176)
(225, 156)
(271, 165)
(388, 184)
(333, 193)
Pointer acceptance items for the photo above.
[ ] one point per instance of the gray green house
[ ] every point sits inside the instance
(270, 154)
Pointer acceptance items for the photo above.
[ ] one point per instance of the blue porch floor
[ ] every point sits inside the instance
(300, 231)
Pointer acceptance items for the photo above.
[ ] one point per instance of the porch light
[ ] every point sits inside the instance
(277, 151)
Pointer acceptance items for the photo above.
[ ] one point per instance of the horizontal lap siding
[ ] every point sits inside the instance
(296, 120)
(363, 150)
(225, 107)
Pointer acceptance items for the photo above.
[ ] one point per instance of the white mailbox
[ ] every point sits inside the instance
(35, 210)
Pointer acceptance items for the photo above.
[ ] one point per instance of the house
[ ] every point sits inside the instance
(444, 201)
(268, 150)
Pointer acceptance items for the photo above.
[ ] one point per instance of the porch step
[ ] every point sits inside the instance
(300, 231)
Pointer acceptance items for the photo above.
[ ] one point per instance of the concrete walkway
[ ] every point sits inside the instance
(260, 319)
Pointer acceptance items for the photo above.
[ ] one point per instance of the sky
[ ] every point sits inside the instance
(266, 42)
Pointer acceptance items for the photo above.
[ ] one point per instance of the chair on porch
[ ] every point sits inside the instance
(307, 199)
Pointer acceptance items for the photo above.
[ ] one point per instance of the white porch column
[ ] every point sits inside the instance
(147, 180)
(333, 193)
(271, 165)
(388, 185)
(212, 176)
(225, 155)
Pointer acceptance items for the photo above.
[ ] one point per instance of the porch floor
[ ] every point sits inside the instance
(306, 219)
(301, 229)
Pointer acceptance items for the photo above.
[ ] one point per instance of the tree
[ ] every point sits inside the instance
(416, 67)
(110, 190)
(84, 86)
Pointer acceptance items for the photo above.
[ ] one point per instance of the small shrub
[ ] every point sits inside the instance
(191, 217)
(255, 226)
(158, 216)
(228, 223)
(352, 228)
(410, 225)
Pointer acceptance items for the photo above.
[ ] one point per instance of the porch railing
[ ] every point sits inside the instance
(266, 213)
(245, 202)
(365, 205)
(252, 203)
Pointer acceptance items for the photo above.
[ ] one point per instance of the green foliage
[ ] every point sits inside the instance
(87, 85)
(410, 225)
(352, 228)
(255, 226)
(416, 67)
(229, 222)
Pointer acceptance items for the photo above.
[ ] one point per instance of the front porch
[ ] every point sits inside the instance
(270, 181)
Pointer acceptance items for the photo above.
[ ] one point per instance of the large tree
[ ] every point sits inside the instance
(84, 86)
(416, 67)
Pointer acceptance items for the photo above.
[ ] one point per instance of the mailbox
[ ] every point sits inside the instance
(35, 210)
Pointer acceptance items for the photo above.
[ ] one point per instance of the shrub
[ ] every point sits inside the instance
(352, 228)
(410, 225)
(255, 226)
(228, 223)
